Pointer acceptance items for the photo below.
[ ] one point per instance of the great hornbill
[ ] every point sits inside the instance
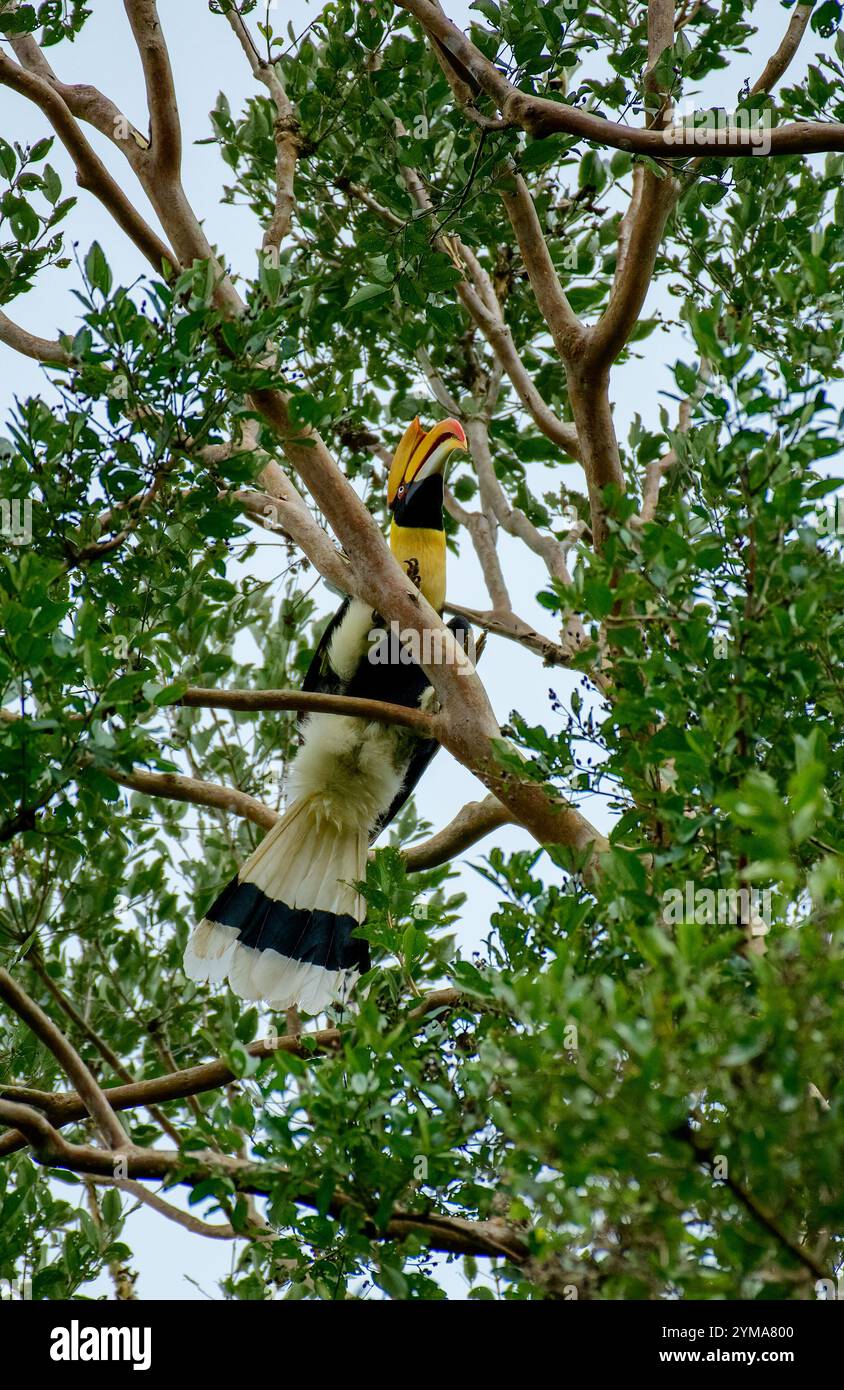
(281, 930)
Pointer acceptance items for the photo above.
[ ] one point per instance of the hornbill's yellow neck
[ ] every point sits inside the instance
(420, 550)
(415, 497)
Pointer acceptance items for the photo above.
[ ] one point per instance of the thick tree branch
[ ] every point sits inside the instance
(91, 173)
(641, 228)
(158, 171)
(660, 37)
(586, 359)
(68, 1058)
(541, 117)
(86, 103)
(476, 820)
(590, 403)
(564, 326)
(778, 63)
(174, 787)
(165, 126)
(313, 702)
(640, 234)
(40, 349)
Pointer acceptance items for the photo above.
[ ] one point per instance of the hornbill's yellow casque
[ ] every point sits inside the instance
(281, 930)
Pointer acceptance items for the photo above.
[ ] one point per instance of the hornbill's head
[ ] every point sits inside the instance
(415, 484)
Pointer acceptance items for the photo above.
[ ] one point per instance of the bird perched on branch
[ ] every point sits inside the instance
(281, 930)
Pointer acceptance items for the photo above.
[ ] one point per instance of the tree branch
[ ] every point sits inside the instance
(174, 787)
(477, 295)
(551, 551)
(641, 228)
(191, 1223)
(476, 820)
(512, 628)
(447, 1233)
(314, 702)
(165, 126)
(86, 103)
(40, 349)
(706, 1155)
(91, 173)
(282, 508)
(778, 63)
(660, 37)
(512, 519)
(497, 333)
(64, 1108)
(640, 234)
(68, 1058)
(482, 530)
(541, 117)
(286, 132)
(565, 327)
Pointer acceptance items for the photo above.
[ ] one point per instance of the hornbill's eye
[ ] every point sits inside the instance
(401, 490)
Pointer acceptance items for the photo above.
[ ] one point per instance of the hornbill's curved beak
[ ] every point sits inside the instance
(421, 454)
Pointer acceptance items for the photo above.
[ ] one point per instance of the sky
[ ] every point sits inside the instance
(207, 59)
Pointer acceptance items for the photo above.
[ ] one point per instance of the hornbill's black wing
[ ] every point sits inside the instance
(415, 768)
(426, 749)
(320, 675)
(401, 685)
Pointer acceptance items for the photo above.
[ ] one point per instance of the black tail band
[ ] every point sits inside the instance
(305, 934)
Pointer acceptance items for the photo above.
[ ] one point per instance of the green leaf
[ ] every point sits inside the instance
(97, 270)
(8, 159)
(367, 292)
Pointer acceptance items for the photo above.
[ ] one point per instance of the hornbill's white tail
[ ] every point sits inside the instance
(282, 929)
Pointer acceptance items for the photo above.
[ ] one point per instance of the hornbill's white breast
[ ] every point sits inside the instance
(354, 766)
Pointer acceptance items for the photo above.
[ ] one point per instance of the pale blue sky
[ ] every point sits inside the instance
(207, 59)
